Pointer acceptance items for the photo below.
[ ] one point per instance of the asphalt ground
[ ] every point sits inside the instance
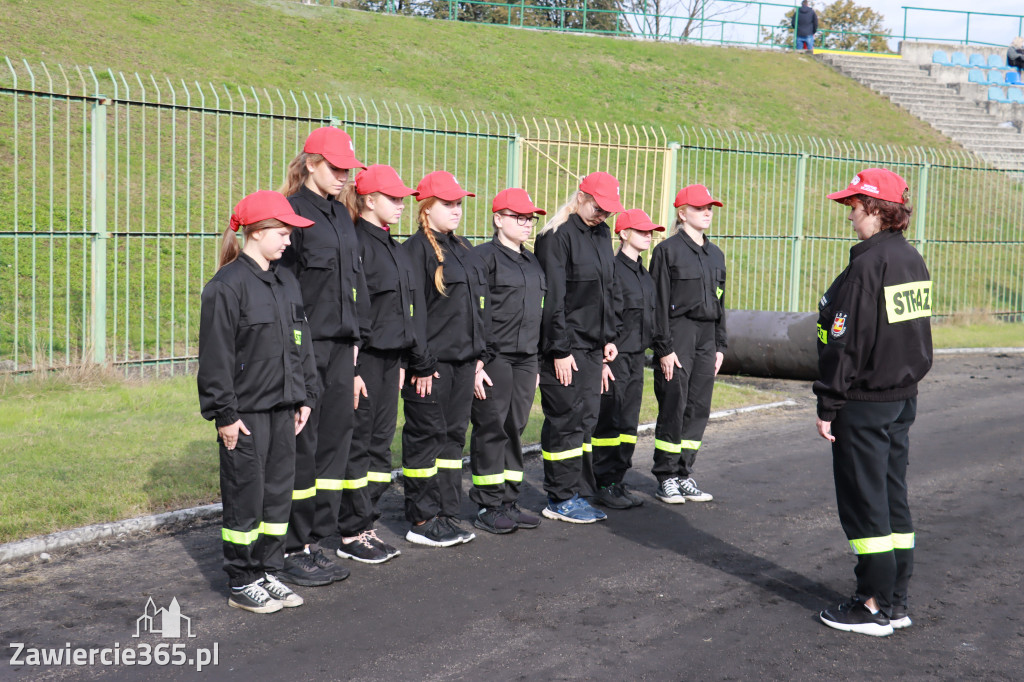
(728, 589)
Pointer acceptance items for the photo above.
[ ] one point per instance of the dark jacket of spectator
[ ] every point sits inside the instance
(805, 21)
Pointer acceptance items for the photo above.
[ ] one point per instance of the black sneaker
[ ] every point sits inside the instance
(607, 496)
(392, 552)
(301, 569)
(899, 618)
(625, 492)
(253, 597)
(456, 526)
(521, 518)
(688, 487)
(494, 521)
(320, 558)
(361, 549)
(281, 592)
(433, 533)
(853, 616)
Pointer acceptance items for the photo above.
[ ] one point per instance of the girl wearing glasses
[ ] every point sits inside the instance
(578, 323)
(451, 288)
(504, 388)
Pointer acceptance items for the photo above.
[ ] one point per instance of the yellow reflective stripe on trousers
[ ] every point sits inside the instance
(557, 456)
(689, 445)
(274, 528)
(872, 545)
(240, 537)
(492, 479)
(354, 483)
(304, 494)
(449, 463)
(513, 476)
(666, 446)
(328, 484)
(606, 442)
(627, 438)
(419, 473)
(903, 541)
(378, 477)
(588, 447)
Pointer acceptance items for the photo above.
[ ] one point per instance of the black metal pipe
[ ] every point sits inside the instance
(771, 344)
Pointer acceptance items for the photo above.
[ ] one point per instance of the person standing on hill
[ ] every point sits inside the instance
(805, 25)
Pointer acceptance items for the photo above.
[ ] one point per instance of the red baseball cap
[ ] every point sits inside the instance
(695, 195)
(334, 145)
(636, 219)
(874, 182)
(383, 179)
(517, 200)
(263, 205)
(440, 184)
(605, 190)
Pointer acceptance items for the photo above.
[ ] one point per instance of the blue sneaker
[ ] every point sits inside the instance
(573, 510)
(598, 514)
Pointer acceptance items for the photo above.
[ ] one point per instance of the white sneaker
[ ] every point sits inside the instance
(281, 592)
(668, 492)
(692, 493)
(253, 597)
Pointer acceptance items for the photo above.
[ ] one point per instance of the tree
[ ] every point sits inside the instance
(677, 19)
(842, 25)
(568, 14)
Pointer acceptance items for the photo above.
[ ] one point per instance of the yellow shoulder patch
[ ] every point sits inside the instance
(908, 301)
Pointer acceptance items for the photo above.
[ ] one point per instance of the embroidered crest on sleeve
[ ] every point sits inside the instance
(839, 325)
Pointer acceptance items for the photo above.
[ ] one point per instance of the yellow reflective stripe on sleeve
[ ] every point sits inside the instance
(449, 463)
(908, 301)
(588, 447)
(492, 479)
(719, 291)
(481, 303)
(274, 528)
(353, 293)
(240, 537)
(297, 333)
(689, 445)
(328, 484)
(354, 483)
(410, 310)
(557, 456)
(903, 541)
(378, 477)
(513, 476)
(606, 442)
(666, 446)
(419, 473)
(872, 545)
(304, 494)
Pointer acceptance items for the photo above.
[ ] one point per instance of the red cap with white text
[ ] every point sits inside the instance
(636, 219)
(335, 145)
(605, 190)
(874, 182)
(383, 179)
(441, 184)
(695, 195)
(263, 205)
(515, 199)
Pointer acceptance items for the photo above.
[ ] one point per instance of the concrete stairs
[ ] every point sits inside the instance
(911, 87)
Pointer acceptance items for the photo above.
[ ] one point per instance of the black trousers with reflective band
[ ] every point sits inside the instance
(256, 480)
(869, 463)
(684, 403)
(615, 433)
(495, 448)
(374, 430)
(322, 449)
(570, 414)
(433, 440)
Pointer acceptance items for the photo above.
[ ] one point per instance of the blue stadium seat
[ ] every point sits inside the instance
(976, 76)
(959, 59)
(1012, 78)
(978, 60)
(995, 77)
(996, 94)
(1015, 95)
(996, 61)
(940, 57)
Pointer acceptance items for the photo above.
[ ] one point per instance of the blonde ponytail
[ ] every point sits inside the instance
(424, 225)
(353, 200)
(565, 210)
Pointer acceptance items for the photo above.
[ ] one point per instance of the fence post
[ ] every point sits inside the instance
(920, 213)
(515, 161)
(668, 186)
(100, 236)
(798, 232)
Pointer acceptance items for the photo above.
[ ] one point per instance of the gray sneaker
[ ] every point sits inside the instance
(691, 492)
(253, 597)
(433, 533)
(281, 592)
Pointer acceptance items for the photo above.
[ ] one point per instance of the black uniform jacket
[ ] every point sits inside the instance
(325, 258)
(690, 282)
(389, 282)
(579, 309)
(874, 326)
(255, 345)
(636, 317)
(453, 326)
(517, 288)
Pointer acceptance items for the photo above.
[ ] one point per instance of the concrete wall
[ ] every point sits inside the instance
(921, 53)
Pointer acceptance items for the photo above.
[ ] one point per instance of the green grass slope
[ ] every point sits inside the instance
(291, 46)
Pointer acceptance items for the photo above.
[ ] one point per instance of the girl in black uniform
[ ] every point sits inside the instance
(451, 287)
(375, 202)
(689, 342)
(257, 382)
(326, 262)
(623, 382)
(505, 387)
(578, 334)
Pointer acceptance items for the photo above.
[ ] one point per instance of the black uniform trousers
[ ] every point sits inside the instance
(869, 462)
(615, 434)
(256, 480)
(322, 449)
(369, 462)
(495, 448)
(433, 439)
(570, 414)
(684, 403)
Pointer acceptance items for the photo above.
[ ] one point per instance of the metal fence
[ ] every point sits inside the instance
(112, 204)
